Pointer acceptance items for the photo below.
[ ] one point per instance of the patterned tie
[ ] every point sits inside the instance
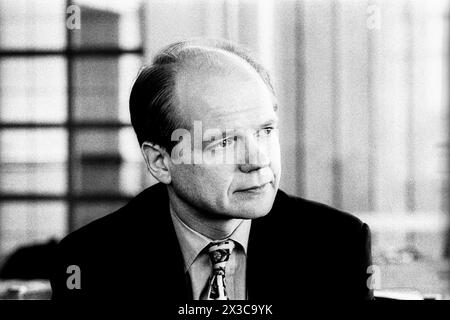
(219, 253)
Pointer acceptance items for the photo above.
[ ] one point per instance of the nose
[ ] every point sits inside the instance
(256, 155)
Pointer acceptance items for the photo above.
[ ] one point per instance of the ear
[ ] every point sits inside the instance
(157, 161)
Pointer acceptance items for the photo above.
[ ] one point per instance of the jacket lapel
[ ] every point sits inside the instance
(268, 253)
(262, 260)
(168, 277)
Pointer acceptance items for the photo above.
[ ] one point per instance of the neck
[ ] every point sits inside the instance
(215, 228)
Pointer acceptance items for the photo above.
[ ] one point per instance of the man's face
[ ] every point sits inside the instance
(235, 111)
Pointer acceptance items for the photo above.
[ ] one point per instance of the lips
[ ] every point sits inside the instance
(254, 188)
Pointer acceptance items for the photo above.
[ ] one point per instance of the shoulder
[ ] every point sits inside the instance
(121, 224)
(95, 248)
(322, 228)
(297, 210)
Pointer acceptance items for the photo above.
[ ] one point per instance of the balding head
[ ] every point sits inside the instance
(154, 99)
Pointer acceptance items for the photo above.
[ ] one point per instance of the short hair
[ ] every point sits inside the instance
(152, 98)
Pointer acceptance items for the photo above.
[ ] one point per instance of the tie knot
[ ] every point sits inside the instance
(219, 252)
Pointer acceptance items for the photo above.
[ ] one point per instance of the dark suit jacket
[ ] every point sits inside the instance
(300, 250)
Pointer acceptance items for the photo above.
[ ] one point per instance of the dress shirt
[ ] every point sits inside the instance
(198, 266)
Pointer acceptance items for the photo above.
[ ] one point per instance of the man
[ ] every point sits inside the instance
(216, 226)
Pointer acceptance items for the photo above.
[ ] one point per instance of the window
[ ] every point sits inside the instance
(68, 154)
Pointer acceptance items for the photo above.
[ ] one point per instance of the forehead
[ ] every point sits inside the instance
(224, 98)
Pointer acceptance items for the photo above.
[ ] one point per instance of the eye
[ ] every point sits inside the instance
(265, 131)
(227, 142)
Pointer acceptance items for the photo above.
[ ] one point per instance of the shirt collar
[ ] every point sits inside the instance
(192, 242)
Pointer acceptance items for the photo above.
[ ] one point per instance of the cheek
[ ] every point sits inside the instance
(216, 178)
(210, 179)
(275, 156)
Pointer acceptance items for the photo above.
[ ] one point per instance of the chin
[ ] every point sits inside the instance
(253, 214)
(252, 209)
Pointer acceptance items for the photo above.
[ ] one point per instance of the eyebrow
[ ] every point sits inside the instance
(212, 138)
(269, 123)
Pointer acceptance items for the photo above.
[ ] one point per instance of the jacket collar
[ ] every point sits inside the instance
(173, 268)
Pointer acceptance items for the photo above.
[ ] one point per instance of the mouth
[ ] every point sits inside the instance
(255, 189)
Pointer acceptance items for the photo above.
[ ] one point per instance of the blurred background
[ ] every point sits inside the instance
(363, 90)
